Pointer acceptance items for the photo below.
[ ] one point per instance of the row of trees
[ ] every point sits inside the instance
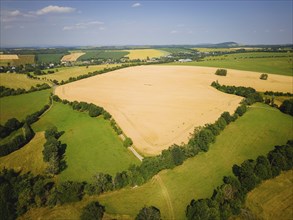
(11, 125)
(18, 141)
(4, 91)
(53, 152)
(249, 93)
(228, 199)
(271, 93)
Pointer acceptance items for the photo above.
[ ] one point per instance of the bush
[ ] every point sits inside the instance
(287, 107)
(93, 211)
(127, 142)
(149, 213)
(221, 72)
(264, 76)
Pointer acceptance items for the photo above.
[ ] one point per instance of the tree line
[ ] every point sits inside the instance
(229, 198)
(4, 91)
(18, 141)
(53, 152)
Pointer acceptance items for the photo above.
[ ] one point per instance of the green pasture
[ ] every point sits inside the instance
(92, 144)
(15, 81)
(102, 54)
(20, 106)
(50, 58)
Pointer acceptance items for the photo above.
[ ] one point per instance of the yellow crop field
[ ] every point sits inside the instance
(67, 72)
(15, 81)
(71, 57)
(145, 53)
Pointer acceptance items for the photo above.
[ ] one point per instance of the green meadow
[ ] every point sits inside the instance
(20, 106)
(92, 144)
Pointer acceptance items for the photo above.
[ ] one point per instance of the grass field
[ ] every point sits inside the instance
(15, 81)
(50, 58)
(273, 198)
(172, 190)
(27, 159)
(103, 54)
(21, 105)
(144, 53)
(276, 63)
(92, 144)
(65, 73)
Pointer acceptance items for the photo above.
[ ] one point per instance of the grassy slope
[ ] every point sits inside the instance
(13, 80)
(21, 105)
(273, 198)
(252, 62)
(67, 72)
(29, 158)
(92, 144)
(248, 137)
(144, 53)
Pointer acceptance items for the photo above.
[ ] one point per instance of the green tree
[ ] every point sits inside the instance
(93, 211)
(149, 213)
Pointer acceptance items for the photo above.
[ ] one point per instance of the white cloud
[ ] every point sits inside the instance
(84, 25)
(173, 32)
(14, 13)
(135, 5)
(55, 9)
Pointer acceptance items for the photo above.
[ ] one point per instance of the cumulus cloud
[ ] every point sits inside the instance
(55, 9)
(135, 5)
(84, 25)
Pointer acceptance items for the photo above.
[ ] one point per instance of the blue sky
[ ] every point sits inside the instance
(94, 23)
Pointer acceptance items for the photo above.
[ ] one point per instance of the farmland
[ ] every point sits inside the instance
(71, 57)
(92, 144)
(143, 54)
(13, 80)
(65, 73)
(50, 58)
(12, 61)
(248, 137)
(153, 122)
(263, 62)
(273, 198)
(27, 159)
(20, 106)
(202, 49)
(102, 54)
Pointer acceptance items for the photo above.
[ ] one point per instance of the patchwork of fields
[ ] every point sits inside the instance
(168, 111)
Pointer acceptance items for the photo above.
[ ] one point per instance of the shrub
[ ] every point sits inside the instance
(264, 76)
(93, 211)
(127, 142)
(221, 72)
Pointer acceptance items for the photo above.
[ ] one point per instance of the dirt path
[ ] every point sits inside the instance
(135, 153)
(166, 196)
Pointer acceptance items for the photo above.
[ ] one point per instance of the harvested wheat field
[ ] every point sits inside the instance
(71, 57)
(8, 57)
(143, 54)
(158, 106)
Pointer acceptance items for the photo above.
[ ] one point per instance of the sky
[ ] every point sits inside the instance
(99, 23)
